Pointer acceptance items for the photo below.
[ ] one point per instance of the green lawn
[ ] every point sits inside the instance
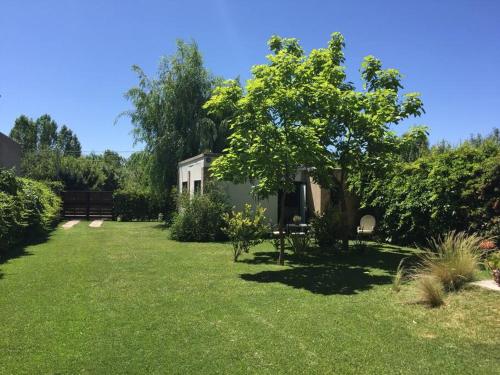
(124, 299)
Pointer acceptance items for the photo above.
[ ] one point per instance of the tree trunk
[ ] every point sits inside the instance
(281, 228)
(343, 213)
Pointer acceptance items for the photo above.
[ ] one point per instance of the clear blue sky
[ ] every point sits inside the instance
(72, 59)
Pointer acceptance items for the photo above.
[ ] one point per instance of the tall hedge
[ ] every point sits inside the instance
(451, 189)
(135, 205)
(28, 209)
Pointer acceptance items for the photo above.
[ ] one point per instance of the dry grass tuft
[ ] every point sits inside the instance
(430, 289)
(398, 277)
(453, 259)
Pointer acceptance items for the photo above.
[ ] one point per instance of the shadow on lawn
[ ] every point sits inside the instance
(332, 273)
(19, 250)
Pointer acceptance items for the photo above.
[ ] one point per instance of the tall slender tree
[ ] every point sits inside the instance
(168, 116)
(25, 132)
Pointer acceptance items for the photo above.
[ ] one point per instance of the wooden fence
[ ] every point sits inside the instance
(88, 204)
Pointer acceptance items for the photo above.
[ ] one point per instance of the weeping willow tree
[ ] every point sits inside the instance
(168, 115)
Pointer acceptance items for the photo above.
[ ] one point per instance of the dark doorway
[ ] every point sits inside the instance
(88, 204)
(295, 204)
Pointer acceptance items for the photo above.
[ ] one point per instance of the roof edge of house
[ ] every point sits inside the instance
(198, 157)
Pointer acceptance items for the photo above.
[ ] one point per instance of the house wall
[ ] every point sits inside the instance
(318, 198)
(190, 173)
(241, 194)
(10, 153)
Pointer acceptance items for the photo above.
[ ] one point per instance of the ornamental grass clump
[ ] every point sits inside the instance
(398, 278)
(453, 259)
(431, 289)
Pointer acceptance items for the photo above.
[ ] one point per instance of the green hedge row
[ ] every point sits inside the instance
(28, 209)
(455, 189)
(135, 205)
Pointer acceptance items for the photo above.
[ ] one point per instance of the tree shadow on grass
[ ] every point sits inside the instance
(327, 273)
(326, 280)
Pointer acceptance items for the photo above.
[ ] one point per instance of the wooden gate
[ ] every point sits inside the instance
(88, 204)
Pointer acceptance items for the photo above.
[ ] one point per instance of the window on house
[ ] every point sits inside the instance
(197, 186)
(184, 186)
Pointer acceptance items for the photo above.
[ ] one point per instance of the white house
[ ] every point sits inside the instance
(308, 199)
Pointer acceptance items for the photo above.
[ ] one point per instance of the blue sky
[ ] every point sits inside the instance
(72, 59)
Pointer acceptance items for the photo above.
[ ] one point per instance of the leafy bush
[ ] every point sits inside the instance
(493, 263)
(134, 205)
(453, 259)
(28, 209)
(200, 217)
(245, 229)
(445, 189)
(431, 290)
(325, 228)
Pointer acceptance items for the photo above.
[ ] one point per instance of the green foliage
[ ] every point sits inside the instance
(92, 172)
(245, 229)
(453, 259)
(299, 242)
(300, 110)
(43, 135)
(28, 209)
(453, 189)
(134, 205)
(168, 116)
(25, 133)
(325, 228)
(493, 261)
(200, 217)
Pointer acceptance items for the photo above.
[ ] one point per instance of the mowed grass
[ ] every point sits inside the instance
(125, 299)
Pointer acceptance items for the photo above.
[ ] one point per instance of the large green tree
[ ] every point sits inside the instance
(301, 111)
(42, 135)
(274, 133)
(358, 122)
(168, 116)
(47, 130)
(67, 143)
(25, 132)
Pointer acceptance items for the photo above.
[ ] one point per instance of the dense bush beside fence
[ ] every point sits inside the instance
(28, 209)
(135, 205)
(447, 189)
(200, 217)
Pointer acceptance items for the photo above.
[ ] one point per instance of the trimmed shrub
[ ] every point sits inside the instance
(28, 209)
(134, 205)
(245, 229)
(200, 217)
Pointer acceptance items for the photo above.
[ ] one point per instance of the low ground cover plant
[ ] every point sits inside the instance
(245, 229)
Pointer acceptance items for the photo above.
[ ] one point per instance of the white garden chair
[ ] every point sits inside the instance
(366, 225)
